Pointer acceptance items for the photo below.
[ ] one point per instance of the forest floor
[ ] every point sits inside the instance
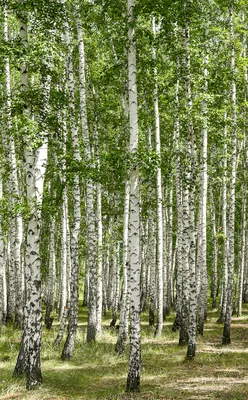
(96, 372)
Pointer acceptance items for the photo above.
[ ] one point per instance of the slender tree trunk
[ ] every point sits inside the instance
(133, 378)
(244, 235)
(99, 262)
(64, 273)
(226, 339)
(73, 306)
(51, 278)
(15, 298)
(159, 326)
(223, 302)
(143, 282)
(116, 286)
(192, 174)
(2, 266)
(179, 283)
(202, 298)
(214, 287)
(90, 215)
(152, 264)
(123, 329)
(169, 277)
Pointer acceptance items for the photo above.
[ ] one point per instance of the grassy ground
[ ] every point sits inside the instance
(96, 372)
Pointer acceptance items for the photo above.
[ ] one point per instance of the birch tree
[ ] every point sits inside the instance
(90, 215)
(159, 198)
(226, 339)
(133, 378)
(73, 306)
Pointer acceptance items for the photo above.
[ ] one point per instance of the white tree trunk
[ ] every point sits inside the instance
(179, 283)
(202, 249)
(160, 263)
(214, 282)
(73, 306)
(90, 215)
(152, 266)
(225, 232)
(133, 379)
(169, 277)
(15, 298)
(244, 233)
(99, 294)
(190, 230)
(226, 339)
(2, 264)
(50, 283)
(35, 166)
(123, 329)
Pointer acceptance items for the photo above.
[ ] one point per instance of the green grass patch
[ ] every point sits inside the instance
(97, 372)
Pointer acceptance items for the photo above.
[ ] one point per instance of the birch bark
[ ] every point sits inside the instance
(179, 283)
(123, 329)
(226, 338)
(90, 215)
(15, 295)
(223, 303)
(51, 278)
(214, 288)
(2, 266)
(159, 326)
(35, 161)
(73, 306)
(202, 298)
(133, 378)
(244, 230)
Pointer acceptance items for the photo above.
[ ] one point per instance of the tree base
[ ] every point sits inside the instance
(183, 338)
(151, 318)
(191, 351)
(34, 380)
(158, 331)
(176, 324)
(200, 328)
(91, 333)
(66, 353)
(121, 344)
(133, 384)
(226, 338)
